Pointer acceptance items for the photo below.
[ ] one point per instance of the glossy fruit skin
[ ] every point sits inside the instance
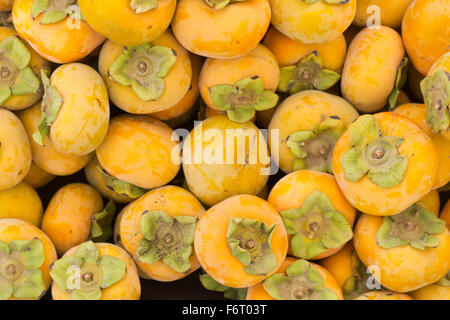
(223, 34)
(15, 229)
(290, 192)
(426, 32)
(391, 12)
(368, 76)
(377, 295)
(46, 156)
(418, 180)
(312, 23)
(431, 292)
(83, 118)
(21, 202)
(117, 21)
(139, 150)
(15, 151)
(304, 111)
(173, 200)
(177, 81)
(188, 101)
(402, 269)
(211, 242)
(95, 178)
(61, 42)
(37, 63)
(340, 264)
(129, 288)
(258, 62)
(38, 177)
(417, 113)
(257, 292)
(214, 180)
(67, 219)
(289, 52)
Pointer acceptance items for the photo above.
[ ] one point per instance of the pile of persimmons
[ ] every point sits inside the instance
(290, 149)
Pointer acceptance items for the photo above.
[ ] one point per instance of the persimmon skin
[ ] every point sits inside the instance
(177, 81)
(419, 177)
(289, 52)
(377, 295)
(60, 42)
(431, 292)
(418, 113)
(257, 292)
(367, 79)
(290, 192)
(138, 149)
(83, 118)
(189, 98)
(426, 32)
(6, 5)
(211, 176)
(67, 219)
(223, 34)
(129, 288)
(21, 202)
(175, 201)
(15, 151)
(312, 23)
(117, 21)
(211, 244)
(37, 63)
(391, 12)
(304, 111)
(46, 156)
(16, 229)
(258, 62)
(340, 264)
(38, 177)
(401, 269)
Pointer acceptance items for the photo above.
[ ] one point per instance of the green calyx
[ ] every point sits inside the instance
(142, 6)
(415, 227)
(144, 68)
(313, 149)
(445, 281)
(120, 186)
(101, 224)
(20, 274)
(220, 4)
(308, 74)
(374, 154)
(402, 74)
(86, 272)
(356, 284)
(16, 77)
(243, 99)
(301, 282)
(230, 293)
(316, 226)
(51, 104)
(54, 11)
(436, 93)
(249, 242)
(328, 1)
(167, 239)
